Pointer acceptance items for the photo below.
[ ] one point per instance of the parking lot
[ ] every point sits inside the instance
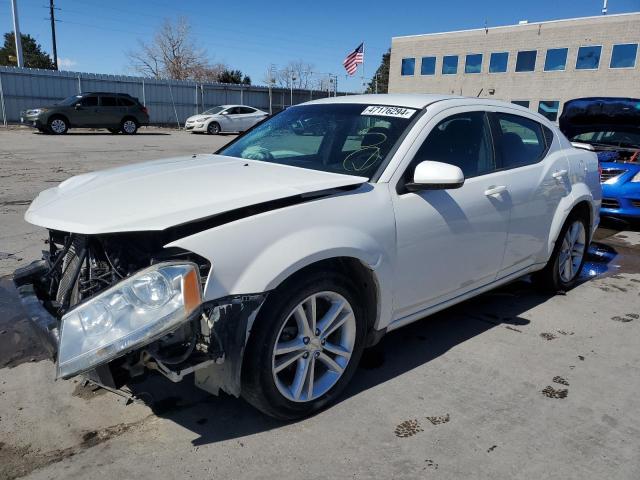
(513, 384)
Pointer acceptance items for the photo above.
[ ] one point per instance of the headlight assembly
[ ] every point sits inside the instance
(636, 178)
(129, 315)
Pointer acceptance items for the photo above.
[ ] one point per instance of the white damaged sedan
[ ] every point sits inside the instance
(265, 269)
(225, 118)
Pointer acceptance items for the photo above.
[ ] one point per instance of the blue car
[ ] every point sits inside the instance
(611, 128)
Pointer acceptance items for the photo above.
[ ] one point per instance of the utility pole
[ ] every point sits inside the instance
(604, 8)
(271, 82)
(53, 33)
(16, 32)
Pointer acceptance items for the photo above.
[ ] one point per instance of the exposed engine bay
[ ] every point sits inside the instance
(76, 268)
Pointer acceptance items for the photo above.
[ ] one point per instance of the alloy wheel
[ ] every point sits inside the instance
(129, 126)
(58, 126)
(314, 346)
(572, 251)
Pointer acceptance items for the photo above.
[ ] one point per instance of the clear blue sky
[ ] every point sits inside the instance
(248, 34)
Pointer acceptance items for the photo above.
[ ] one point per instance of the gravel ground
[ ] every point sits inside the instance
(512, 385)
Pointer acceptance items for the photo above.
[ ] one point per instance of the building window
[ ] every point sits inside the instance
(549, 108)
(556, 60)
(526, 61)
(449, 64)
(498, 62)
(428, 66)
(522, 103)
(588, 58)
(624, 55)
(473, 63)
(408, 66)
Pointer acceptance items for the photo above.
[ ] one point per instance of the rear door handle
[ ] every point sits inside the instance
(493, 191)
(559, 174)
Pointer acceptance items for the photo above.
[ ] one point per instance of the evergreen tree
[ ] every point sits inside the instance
(32, 53)
(382, 75)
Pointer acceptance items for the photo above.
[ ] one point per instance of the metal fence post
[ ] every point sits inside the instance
(79, 85)
(4, 113)
(175, 111)
(144, 99)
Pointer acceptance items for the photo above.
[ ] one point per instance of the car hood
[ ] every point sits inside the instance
(161, 194)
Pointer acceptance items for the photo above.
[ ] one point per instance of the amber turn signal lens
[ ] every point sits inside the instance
(191, 291)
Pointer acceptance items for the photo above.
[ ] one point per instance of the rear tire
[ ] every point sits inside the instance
(320, 358)
(58, 125)
(563, 268)
(129, 126)
(213, 128)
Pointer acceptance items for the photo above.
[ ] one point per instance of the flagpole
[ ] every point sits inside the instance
(363, 89)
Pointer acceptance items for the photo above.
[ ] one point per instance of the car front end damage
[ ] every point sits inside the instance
(114, 307)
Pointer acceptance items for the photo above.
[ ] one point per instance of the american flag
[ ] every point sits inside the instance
(354, 59)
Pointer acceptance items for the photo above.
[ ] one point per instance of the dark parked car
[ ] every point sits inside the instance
(610, 127)
(117, 112)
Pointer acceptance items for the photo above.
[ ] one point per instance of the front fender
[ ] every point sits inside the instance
(255, 254)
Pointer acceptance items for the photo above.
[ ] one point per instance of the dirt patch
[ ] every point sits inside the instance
(430, 464)
(408, 428)
(439, 419)
(17, 462)
(560, 380)
(551, 392)
(492, 448)
(628, 317)
(548, 336)
(87, 390)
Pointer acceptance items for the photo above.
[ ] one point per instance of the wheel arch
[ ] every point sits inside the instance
(582, 204)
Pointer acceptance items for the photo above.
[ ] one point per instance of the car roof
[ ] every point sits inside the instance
(415, 100)
(105, 93)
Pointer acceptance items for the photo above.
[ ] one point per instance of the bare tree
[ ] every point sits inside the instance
(296, 73)
(173, 54)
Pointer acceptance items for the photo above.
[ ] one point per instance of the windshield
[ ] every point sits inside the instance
(609, 137)
(352, 139)
(72, 100)
(212, 111)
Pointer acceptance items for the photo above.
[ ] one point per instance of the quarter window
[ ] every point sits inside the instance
(408, 66)
(473, 63)
(450, 65)
(463, 140)
(428, 66)
(556, 60)
(588, 58)
(526, 61)
(498, 62)
(521, 141)
(624, 55)
(125, 102)
(549, 108)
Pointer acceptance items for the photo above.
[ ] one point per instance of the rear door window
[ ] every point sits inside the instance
(520, 141)
(108, 101)
(246, 110)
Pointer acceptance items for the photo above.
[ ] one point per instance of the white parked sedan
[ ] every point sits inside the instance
(267, 268)
(225, 118)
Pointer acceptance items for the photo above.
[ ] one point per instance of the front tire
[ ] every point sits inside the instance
(213, 128)
(305, 345)
(58, 125)
(563, 269)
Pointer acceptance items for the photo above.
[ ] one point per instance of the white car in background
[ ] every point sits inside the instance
(268, 267)
(225, 118)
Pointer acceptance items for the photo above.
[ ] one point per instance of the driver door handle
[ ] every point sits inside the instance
(493, 191)
(558, 174)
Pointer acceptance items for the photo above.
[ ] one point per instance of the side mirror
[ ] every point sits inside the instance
(77, 106)
(224, 113)
(430, 175)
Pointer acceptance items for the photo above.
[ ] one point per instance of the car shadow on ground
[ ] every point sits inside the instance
(219, 418)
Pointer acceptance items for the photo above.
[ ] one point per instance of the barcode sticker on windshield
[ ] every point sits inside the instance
(399, 112)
